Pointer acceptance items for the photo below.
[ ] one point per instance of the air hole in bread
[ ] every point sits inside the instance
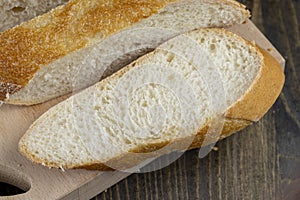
(212, 47)
(127, 141)
(18, 9)
(170, 58)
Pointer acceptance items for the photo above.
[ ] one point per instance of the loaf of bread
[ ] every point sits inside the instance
(76, 44)
(169, 96)
(14, 12)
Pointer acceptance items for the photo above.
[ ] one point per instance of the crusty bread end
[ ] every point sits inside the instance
(40, 58)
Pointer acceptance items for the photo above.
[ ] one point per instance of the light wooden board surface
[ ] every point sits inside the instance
(44, 183)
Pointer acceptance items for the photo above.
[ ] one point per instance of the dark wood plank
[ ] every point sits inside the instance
(260, 162)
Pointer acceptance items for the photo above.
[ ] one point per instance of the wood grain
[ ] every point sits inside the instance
(260, 162)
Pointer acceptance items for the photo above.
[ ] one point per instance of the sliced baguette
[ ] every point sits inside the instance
(14, 12)
(74, 45)
(92, 130)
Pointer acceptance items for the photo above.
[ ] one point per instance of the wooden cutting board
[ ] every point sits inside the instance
(44, 183)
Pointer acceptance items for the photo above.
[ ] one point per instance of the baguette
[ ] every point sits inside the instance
(74, 45)
(101, 126)
(14, 12)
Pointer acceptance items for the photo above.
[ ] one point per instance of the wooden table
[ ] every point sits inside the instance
(260, 162)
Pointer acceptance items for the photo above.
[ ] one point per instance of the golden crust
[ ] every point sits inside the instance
(125, 161)
(197, 140)
(34, 44)
(26, 48)
(263, 92)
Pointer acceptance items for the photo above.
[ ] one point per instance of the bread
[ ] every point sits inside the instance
(74, 45)
(173, 95)
(14, 12)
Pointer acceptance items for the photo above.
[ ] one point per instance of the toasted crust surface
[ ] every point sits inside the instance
(263, 92)
(34, 44)
(25, 48)
(230, 126)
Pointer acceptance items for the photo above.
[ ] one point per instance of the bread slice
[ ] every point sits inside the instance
(74, 45)
(172, 95)
(14, 12)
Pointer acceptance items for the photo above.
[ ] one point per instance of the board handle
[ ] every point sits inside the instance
(16, 178)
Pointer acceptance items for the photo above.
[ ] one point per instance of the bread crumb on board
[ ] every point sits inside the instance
(62, 169)
(215, 148)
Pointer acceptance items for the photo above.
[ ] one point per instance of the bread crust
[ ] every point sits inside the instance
(68, 28)
(263, 92)
(62, 31)
(125, 161)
